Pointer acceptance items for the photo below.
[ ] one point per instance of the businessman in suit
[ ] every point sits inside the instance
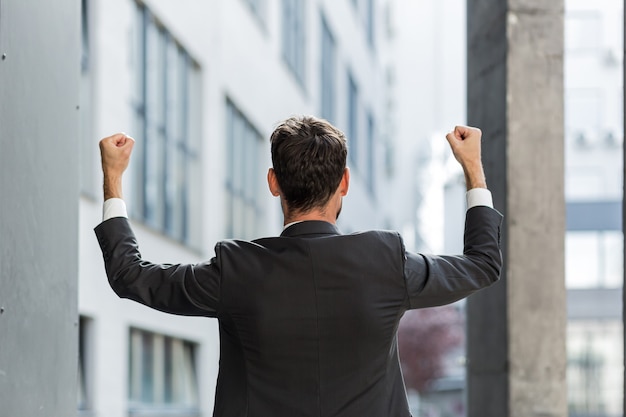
(307, 320)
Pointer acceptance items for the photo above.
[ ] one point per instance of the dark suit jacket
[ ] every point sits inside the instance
(307, 320)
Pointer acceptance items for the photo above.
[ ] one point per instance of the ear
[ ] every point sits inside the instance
(344, 185)
(272, 182)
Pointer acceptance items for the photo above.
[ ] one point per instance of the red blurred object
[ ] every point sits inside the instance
(425, 337)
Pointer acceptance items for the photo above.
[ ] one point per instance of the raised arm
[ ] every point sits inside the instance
(178, 289)
(436, 280)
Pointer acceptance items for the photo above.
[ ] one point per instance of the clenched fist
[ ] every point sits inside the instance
(465, 144)
(115, 153)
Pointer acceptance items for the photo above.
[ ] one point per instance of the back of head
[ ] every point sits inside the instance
(309, 159)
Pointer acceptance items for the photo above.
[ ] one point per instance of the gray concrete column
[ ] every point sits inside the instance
(516, 330)
(39, 76)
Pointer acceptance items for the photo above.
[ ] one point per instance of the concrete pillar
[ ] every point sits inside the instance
(516, 330)
(39, 75)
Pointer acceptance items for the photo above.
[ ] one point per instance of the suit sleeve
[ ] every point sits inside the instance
(191, 290)
(437, 280)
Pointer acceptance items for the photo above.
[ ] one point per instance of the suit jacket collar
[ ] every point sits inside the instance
(310, 228)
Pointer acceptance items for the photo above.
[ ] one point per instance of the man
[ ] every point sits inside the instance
(307, 320)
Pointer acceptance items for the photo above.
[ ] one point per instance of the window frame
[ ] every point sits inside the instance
(145, 351)
(167, 144)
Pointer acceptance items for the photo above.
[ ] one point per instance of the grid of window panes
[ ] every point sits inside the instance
(167, 162)
(243, 177)
(162, 375)
(328, 73)
(293, 37)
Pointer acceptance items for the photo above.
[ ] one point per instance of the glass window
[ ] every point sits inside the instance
(327, 71)
(244, 175)
(369, 21)
(294, 42)
(258, 8)
(162, 375)
(167, 145)
(89, 146)
(594, 259)
(84, 366)
(583, 30)
(370, 175)
(583, 108)
(352, 131)
(595, 366)
(364, 12)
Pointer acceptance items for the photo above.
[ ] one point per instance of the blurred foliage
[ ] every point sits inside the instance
(425, 337)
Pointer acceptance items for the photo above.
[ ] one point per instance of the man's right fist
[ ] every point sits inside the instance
(115, 152)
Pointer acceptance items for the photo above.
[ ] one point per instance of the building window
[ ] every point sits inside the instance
(595, 360)
(353, 121)
(328, 66)
(370, 175)
(369, 21)
(162, 376)
(364, 12)
(583, 31)
(294, 45)
(88, 164)
(245, 149)
(167, 131)
(594, 258)
(257, 7)
(84, 400)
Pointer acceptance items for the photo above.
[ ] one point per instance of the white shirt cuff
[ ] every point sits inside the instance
(479, 197)
(113, 207)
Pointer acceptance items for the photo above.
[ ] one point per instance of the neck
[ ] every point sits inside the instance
(319, 214)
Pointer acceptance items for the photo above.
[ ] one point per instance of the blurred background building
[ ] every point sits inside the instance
(594, 192)
(201, 85)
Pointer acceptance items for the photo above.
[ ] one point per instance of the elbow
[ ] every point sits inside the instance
(493, 268)
(116, 282)
(489, 267)
(120, 279)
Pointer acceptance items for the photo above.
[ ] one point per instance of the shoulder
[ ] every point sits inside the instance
(244, 248)
(380, 239)
(382, 235)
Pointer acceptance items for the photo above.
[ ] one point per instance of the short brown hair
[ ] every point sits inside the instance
(309, 159)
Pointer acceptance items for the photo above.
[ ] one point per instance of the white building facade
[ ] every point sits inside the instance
(200, 86)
